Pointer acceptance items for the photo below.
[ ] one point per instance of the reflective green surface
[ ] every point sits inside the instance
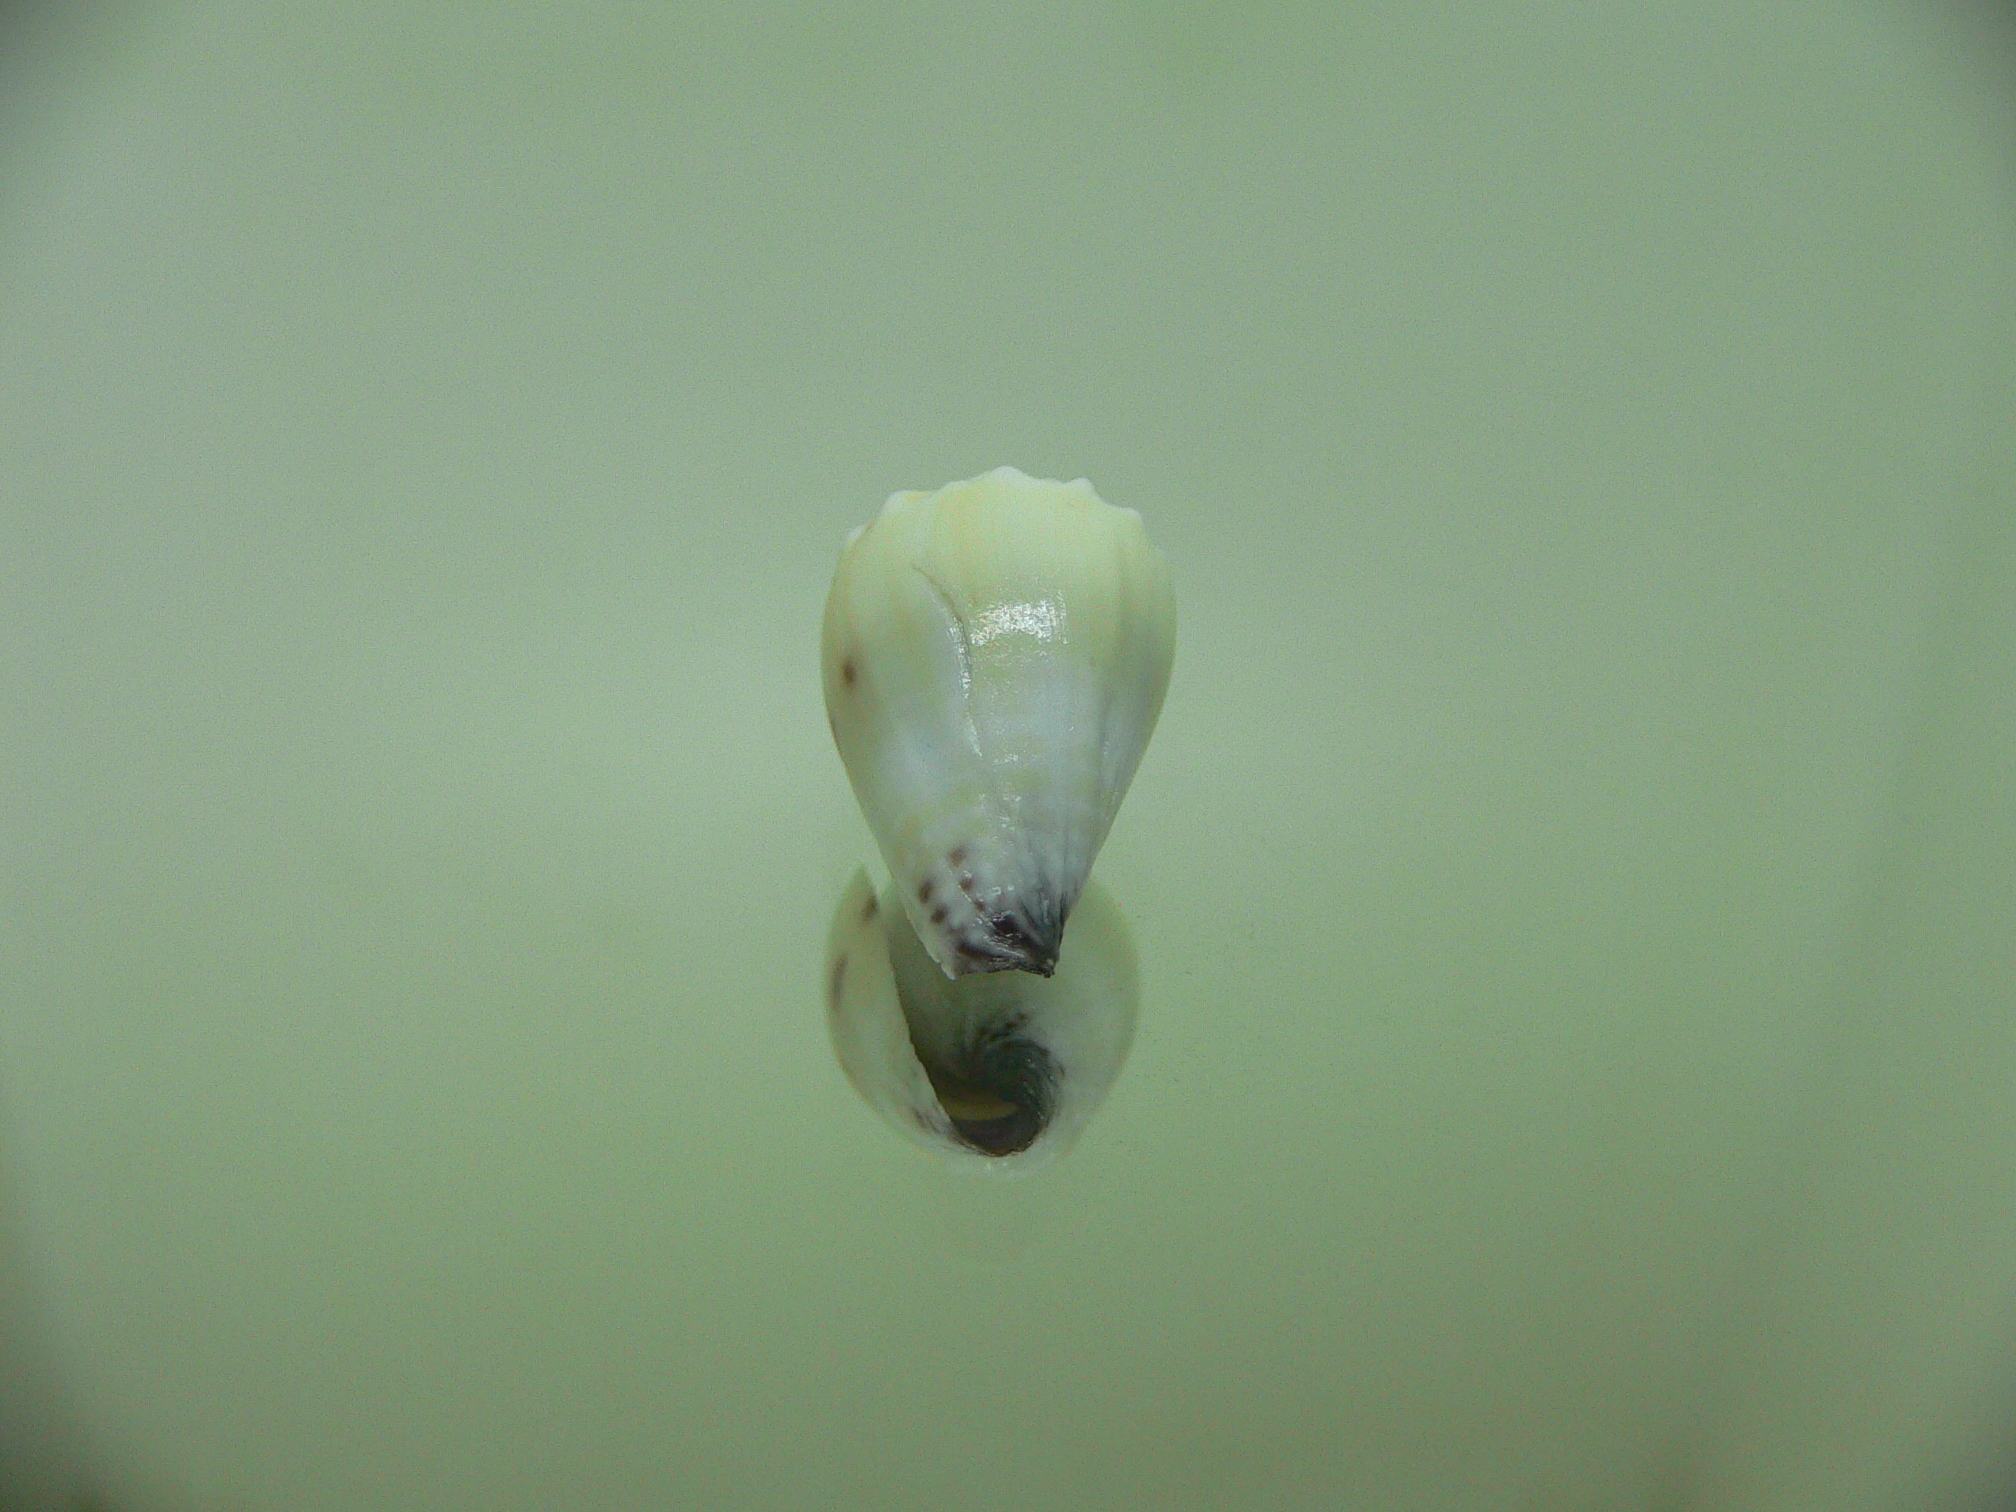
(1571, 874)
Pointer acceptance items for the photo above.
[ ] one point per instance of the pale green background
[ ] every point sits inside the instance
(1573, 875)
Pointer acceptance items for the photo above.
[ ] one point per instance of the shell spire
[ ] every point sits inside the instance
(995, 656)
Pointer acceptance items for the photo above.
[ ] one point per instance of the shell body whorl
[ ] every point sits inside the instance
(995, 655)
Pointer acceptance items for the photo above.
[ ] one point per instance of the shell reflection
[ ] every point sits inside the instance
(996, 1071)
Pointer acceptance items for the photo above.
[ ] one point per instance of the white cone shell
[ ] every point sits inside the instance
(889, 1007)
(995, 656)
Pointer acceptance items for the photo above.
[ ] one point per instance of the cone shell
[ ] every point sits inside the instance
(995, 656)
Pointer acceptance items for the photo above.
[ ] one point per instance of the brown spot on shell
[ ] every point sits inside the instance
(956, 854)
(848, 671)
(938, 914)
(835, 982)
(924, 891)
(870, 908)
